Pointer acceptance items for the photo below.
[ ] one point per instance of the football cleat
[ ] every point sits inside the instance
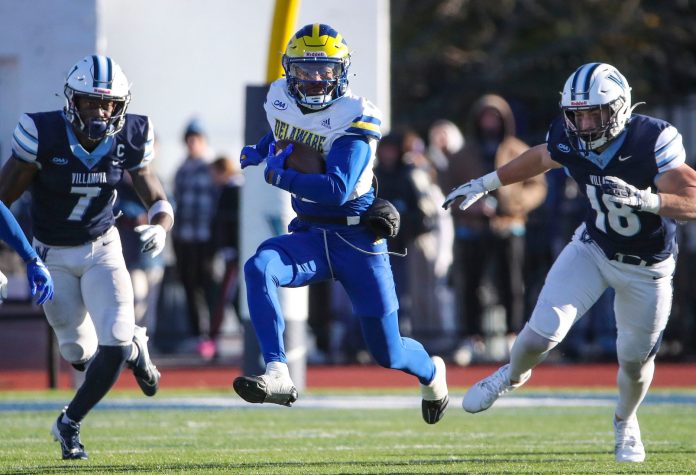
(145, 372)
(69, 437)
(629, 447)
(435, 396)
(275, 388)
(483, 394)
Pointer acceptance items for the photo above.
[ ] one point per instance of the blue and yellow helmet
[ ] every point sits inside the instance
(316, 63)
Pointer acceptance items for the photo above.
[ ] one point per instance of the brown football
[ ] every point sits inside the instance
(303, 159)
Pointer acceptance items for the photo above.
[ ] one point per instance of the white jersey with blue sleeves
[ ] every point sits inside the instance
(351, 115)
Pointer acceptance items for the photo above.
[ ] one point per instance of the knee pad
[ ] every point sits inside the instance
(552, 321)
(636, 370)
(637, 348)
(76, 354)
(265, 268)
(123, 331)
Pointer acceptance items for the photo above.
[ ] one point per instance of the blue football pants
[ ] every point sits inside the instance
(299, 259)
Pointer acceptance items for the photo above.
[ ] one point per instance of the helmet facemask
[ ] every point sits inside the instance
(316, 82)
(95, 129)
(609, 127)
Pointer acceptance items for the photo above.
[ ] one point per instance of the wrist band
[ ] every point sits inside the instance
(161, 206)
(491, 181)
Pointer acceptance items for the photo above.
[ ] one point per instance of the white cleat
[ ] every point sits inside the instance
(435, 395)
(483, 394)
(629, 447)
(275, 388)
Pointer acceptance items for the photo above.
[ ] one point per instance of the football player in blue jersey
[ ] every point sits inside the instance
(632, 170)
(329, 238)
(40, 280)
(71, 160)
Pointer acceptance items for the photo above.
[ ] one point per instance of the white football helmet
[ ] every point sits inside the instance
(596, 85)
(101, 78)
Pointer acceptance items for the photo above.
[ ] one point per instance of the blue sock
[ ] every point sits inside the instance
(391, 350)
(101, 376)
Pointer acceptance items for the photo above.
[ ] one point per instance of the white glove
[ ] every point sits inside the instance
(473, 190)
(153, 237)
(618, 191)
(3, 287)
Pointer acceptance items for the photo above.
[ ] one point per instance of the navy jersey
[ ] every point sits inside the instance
(74, 191)
(646, 148)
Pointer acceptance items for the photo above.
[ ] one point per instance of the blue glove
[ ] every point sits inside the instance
(250, 156)
(40, 281)
(275, 164)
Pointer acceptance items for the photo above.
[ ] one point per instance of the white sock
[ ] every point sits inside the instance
(633, 380)
(277, 367)
(529, 350)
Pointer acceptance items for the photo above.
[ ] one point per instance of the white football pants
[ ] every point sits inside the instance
(93, 300)
(578, 278)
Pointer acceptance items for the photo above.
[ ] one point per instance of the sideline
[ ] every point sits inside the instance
(339, 402)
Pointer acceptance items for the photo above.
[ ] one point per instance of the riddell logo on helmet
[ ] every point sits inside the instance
(578, 103)
(102, 90)
(314, 54)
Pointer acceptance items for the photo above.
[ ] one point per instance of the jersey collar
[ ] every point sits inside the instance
(603, 159)
(89, 159)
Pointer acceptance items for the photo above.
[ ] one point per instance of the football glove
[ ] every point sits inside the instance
(152, 237)
(3, 287)
(383, 219)
(618, 191)
(470, 191)
(275, 164)
(250, 156)
(473, 190)
(40, 281)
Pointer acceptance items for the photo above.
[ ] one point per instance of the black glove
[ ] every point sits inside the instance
(382, 218)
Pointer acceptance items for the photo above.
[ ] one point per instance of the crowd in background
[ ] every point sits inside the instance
(466, 280)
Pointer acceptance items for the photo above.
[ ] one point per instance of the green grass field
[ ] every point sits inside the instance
(301, 440)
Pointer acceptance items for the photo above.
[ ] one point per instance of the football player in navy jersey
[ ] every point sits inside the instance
(328, 239)
(71, 160)
(632, 170)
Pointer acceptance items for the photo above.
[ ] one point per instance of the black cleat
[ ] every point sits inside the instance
(69, 437)
(266, 388)
(434, 410)
(435, 394)
(145, 372)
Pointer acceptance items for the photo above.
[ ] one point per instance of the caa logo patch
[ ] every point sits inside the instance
(59, 160)
(280, 105)
(563, 148)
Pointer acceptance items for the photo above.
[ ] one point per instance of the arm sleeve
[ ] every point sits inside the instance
(12, 234)
(25, 140)
(669, 150)
(348, 157)
(148, 148)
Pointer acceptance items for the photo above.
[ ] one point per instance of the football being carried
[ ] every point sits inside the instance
(303, 158)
